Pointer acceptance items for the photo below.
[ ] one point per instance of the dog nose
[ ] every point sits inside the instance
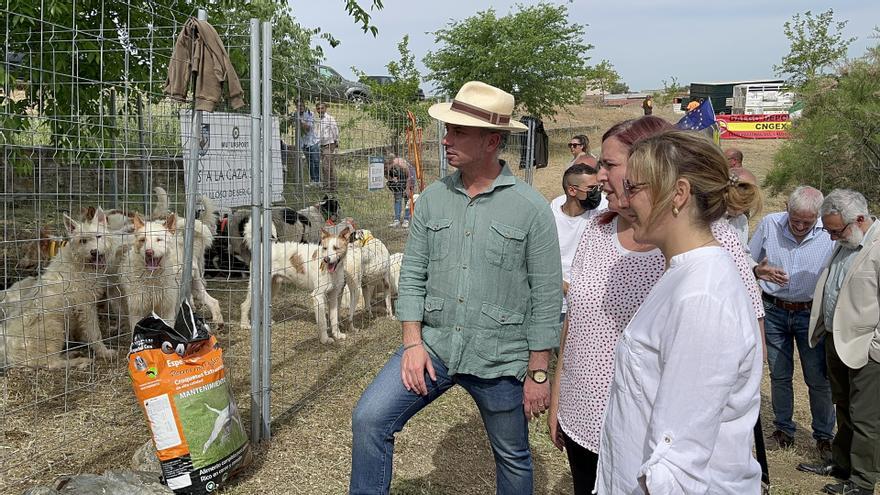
(149, 252)
(326, 259)
(93, 252)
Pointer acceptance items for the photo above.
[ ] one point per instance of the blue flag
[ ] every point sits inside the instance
(699, 118)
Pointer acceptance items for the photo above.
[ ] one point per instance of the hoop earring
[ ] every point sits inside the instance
(675, 211)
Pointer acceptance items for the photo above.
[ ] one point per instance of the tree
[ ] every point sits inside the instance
(392, 101)
(603, 77)
(671, 90)
(816, 44)
(836, 142)
(75, 78)
(534, 54)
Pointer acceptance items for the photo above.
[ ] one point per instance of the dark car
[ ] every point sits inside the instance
(325, 84)
(382, 80)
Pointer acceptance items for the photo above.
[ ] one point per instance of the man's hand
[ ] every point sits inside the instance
(412, 369)
(764, 271)
(536, 398)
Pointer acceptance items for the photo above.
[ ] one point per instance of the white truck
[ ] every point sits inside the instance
(753, 99)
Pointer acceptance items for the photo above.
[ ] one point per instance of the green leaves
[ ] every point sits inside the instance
(534, 54)
(817, 43)
(836, 143)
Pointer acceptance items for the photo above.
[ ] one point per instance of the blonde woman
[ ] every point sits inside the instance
(686, 388)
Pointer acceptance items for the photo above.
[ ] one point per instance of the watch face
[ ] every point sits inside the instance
(539, 376)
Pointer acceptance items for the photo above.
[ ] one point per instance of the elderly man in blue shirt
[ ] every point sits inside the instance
(480, 295)
(791, 251)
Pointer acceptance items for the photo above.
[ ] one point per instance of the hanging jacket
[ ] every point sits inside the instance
(199, 50)
(540, 140)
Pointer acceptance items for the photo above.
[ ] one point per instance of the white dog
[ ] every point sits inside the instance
(223, 424)
(314, 267)
(153, 267)
(61, 304)
(367, 269)
(395, 260)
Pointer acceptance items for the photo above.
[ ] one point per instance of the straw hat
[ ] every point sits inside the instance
(479, 105)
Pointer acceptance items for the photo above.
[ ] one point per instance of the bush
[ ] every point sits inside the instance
(836, 143)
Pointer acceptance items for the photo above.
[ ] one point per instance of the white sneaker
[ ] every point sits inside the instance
(404, 224)
(395, 223)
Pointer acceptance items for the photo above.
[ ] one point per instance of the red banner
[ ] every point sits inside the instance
(774, 126)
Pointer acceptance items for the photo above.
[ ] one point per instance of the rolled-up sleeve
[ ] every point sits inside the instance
(544, 267)
(687, 414)
(414, 269)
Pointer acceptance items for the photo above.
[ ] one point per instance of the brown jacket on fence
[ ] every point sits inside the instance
(199, 50)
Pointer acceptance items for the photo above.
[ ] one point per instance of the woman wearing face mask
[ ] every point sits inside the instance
(611, 275)
(687, 373)
(581, 200)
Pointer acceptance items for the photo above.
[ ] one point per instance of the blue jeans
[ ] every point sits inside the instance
(400, 206)
(387, 405)
(783, 329)
(313, 155)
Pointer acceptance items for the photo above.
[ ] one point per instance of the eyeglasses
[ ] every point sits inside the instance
(574, 145)
(630, 188)
(837, 233)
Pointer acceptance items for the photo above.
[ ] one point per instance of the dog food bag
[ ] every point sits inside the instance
(180, 381)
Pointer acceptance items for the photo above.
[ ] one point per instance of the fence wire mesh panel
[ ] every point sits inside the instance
(91, 146)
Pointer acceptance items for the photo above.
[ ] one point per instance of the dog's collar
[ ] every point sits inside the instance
(368, 236)
(54, 246)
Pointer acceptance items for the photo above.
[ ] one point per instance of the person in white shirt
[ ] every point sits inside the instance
(582, 199)
(686, 389)
(328, 137)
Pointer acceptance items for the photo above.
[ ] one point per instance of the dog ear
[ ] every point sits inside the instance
(100, 217)
(324, 234)
(171, 222)
(346, 232)
(137, 221)
(71, 224)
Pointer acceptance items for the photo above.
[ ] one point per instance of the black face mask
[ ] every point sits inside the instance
(594, 197)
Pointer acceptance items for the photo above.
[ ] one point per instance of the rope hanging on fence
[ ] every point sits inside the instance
(414, 144)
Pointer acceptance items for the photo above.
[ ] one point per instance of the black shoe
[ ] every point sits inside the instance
(824, 469)
(846, 488)
(783, 440)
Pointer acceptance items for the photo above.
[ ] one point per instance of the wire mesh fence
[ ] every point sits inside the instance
(95, 199)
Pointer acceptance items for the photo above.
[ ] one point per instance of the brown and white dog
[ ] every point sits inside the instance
(153, 267)
(60, 305)
(318, 268)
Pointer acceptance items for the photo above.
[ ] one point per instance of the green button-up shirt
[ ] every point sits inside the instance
(483, 275)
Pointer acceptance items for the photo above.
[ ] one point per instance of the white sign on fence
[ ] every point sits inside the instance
(225, 157)
(377, 173)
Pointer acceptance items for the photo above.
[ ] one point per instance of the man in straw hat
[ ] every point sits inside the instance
(479, 300)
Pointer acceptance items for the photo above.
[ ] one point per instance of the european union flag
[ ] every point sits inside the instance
(699, 118)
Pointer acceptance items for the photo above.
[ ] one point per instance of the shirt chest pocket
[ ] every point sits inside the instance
(439, 233)
(506, 246)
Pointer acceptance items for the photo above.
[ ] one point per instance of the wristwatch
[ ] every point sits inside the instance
(538, 376)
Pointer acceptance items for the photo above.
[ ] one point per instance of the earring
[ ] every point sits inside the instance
(675, 211)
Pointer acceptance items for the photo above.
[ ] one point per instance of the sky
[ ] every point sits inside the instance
(647, 41)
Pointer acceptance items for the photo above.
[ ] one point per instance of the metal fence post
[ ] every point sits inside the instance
(266, 268)
(530, 153)
(256, 284)
(193, 177)
(441, 150)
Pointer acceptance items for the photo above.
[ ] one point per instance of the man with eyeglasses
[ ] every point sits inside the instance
(847, 311)
(582, 198)
(791, 250)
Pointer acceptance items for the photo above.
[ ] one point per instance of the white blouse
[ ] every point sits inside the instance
(686, 388)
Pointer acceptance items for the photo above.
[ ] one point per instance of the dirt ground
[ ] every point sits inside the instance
(443, 450)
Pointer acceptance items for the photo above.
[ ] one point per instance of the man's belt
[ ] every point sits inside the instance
(787, 305)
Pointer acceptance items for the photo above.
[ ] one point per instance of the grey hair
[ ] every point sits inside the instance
(847, 203)
(806, 199)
